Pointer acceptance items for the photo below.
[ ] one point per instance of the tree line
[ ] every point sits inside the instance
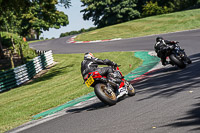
(109, 12)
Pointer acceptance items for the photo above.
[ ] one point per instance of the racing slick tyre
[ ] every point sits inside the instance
(107, 97)
(177, 62)
(188, 60)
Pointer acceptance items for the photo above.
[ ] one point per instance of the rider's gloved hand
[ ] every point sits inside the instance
(114, 64)
(108, 62)
(175, 42)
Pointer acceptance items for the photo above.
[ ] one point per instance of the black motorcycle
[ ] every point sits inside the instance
(178, 56)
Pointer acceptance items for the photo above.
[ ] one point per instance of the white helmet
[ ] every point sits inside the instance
(88, 55)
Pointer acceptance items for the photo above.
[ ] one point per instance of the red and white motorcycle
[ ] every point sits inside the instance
(108, 95)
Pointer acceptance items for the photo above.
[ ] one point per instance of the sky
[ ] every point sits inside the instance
(76, 21)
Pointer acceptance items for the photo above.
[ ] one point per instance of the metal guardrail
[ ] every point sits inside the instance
(19, 75)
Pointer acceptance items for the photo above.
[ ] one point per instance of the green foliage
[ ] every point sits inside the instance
(6, 42)
(6, 39)
(25, 16)
(42, 16)
(177, 5)
(109, 12)
(67, 3)
(76, 32)
(153, 9)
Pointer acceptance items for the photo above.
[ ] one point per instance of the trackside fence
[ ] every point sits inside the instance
(19, 75)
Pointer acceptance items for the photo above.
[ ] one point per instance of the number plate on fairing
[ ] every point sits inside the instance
(89, 81)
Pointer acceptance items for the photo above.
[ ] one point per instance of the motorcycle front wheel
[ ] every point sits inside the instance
(107, 97)
(131, 89)
(177, 62)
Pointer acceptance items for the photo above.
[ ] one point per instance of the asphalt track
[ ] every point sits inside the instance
(168, 101)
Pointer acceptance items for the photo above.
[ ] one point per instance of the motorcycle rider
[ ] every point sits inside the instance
(161, 48)
(90, 64)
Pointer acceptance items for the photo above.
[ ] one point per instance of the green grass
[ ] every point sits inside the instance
(166, 23)
(60, 84)
(37, 41)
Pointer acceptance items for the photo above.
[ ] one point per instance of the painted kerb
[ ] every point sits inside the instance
(19, 75)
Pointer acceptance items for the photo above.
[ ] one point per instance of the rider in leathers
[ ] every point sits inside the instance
(90, 64)
(161, 48)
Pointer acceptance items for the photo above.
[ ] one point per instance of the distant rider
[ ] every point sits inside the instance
(90, 64)
(161, 47)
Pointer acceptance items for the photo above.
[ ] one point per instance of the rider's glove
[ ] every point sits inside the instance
(114, 64)
(175, 42)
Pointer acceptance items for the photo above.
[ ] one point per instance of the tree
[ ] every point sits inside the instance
(151, 8)
(177, 5)
(21, 16)
(1, 50)
(41, 16)
(109, 12)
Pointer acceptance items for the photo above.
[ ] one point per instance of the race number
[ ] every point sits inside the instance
(89, 81)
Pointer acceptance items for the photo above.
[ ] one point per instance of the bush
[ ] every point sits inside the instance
(198, 3)
(77, 32)
(17, 40)
(150, 9)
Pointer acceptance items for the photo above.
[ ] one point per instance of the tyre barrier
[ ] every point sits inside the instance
(40, 52)
(21, 74)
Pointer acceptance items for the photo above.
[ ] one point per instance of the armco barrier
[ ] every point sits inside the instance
(19, 75)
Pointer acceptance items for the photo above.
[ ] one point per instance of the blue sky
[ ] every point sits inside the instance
(76, 21)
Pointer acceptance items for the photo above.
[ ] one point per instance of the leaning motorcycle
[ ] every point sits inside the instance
(108, 93)
(178, 56)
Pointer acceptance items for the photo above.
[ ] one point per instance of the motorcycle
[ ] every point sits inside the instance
(178, 56)
(107, 90)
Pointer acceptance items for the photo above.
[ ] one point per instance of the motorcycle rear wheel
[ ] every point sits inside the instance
(106, 97)
(177, 62)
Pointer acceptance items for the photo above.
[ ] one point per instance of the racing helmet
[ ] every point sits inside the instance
(88, 55)
(159, 38)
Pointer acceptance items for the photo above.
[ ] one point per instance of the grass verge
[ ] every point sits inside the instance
(179, 21)
(60, 84)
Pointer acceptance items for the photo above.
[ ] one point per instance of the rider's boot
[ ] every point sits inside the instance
(170, 62)
(164, 62)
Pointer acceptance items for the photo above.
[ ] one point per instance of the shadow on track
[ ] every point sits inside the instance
(168, 82)
(192, 118)
(90, 107)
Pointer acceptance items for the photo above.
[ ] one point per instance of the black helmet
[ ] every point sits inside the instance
(159, 38)
(88, 55)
